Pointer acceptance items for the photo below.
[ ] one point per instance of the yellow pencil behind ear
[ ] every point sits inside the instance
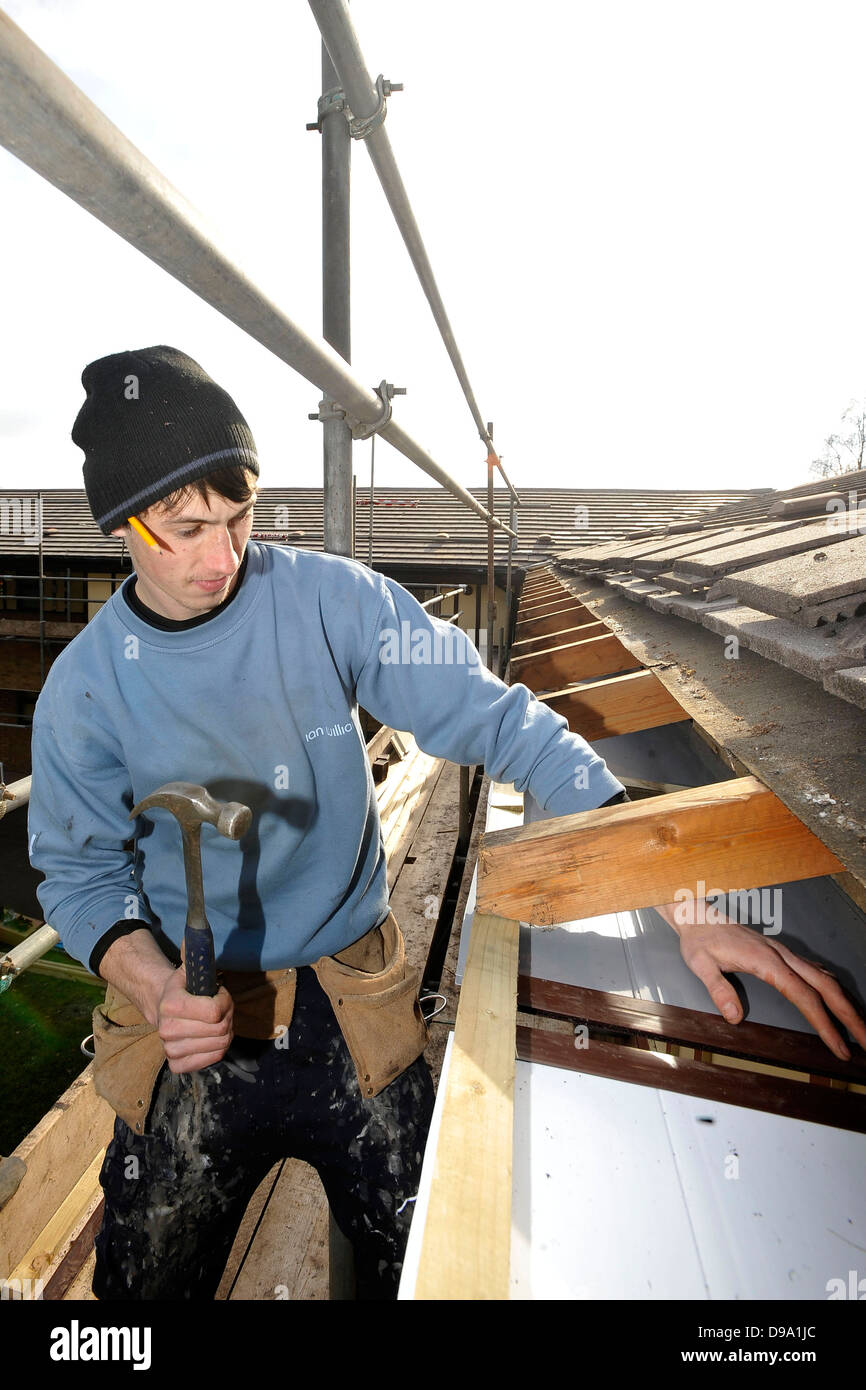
(144, 533)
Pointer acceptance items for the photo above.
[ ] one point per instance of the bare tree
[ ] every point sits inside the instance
(844, 452)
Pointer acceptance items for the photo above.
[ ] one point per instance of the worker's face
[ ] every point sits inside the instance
(202, 546)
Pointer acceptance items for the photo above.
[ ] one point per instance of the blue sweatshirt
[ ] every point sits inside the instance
(260, 705)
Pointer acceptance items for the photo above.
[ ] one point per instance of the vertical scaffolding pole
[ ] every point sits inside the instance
(509, 620)
(336, 309)
(41, 597)
(463, 825)
(337, 439)
(372, 495)
(491, 570)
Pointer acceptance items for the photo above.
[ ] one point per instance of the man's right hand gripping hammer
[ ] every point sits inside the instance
(193, 805)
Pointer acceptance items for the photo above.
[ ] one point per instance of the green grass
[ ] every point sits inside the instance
(42, 1023)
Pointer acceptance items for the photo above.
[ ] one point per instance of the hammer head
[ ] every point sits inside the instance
(193, 805)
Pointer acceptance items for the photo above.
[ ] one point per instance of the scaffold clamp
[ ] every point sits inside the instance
(361, 429)
(364, 429)
(362, 126)
(328, 410)
(334, 100)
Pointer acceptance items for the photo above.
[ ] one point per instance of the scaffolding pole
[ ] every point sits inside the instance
(49, 124)
(367, 102)
(336, 313)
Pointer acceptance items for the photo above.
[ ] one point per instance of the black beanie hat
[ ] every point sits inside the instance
(152, 422)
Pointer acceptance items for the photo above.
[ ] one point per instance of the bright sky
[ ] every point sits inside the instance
(646, 221)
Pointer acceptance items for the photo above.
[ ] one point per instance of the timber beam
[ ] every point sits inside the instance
(729, 836)
(617, 705)
(542, 607)
(527, 645)
(707, 1031)
(727, 1084)
(556, 666)
(541, 592)
(573, 613)
(466, 1248)
(57, 1154)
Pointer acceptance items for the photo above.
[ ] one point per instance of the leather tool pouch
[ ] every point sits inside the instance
(374, 995)
(128, 1051)
(128, 1057)
(264, 1001)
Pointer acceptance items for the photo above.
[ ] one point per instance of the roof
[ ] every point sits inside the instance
(422, 527)
(784, 575)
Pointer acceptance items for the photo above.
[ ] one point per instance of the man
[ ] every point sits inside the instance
(240, 666)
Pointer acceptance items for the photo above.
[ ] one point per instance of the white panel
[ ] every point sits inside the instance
(620, 1191)
(793, 1218)
(597, 1211)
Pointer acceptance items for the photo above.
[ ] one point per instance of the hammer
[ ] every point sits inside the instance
(194, 805)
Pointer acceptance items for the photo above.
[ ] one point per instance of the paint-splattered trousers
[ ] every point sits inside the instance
(175, 1196)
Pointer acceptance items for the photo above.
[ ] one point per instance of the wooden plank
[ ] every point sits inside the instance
(727, 1084)
(729, 836)
(247, 1230)
(531, 598)
(78, 1254)
(563, 617)
(759, 1042)
(400, 777)
(389, 790)
(562, 604)
(466, 1247)
(29, 627)
(288, 1254)
(418, 892)
(647, 788)
(444, 1022)
(557, 666)
(618, 705)
(527, 645)
(540, 609)
(81, 1288)
(64, 1223)
(57, 1153)
(400, 828)
(541, 592)
(381, 739)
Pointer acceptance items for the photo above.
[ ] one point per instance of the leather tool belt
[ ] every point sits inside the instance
(372, 990)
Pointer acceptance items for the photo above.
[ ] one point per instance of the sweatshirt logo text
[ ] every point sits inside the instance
(330, 731)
